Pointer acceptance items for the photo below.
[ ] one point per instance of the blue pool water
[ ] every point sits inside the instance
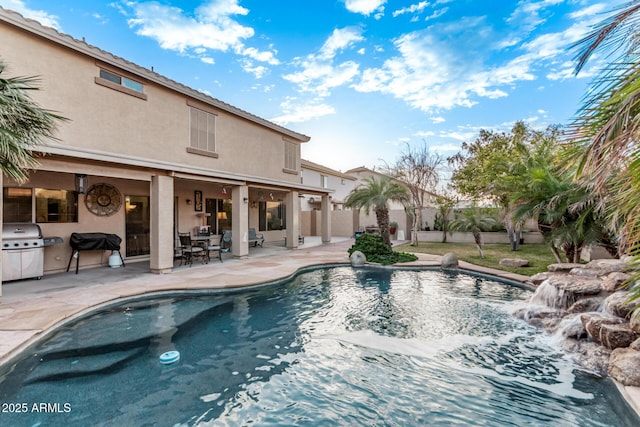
(336, 346)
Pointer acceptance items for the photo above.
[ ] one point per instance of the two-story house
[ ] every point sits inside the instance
(145, 157)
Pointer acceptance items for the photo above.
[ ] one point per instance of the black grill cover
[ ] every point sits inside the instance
(94, 241)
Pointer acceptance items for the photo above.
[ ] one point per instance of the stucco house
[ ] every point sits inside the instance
(397, 211)
(145, 157)
(340, 185)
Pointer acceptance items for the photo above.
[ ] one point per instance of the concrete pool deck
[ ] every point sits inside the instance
(29, 309)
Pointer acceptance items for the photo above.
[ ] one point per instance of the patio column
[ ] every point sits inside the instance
(240, 221)
(325, 208)
(292, 205)
(161, 239)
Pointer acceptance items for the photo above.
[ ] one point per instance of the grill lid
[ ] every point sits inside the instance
(13, 231)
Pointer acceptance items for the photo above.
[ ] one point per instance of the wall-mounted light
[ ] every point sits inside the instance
(188, 202)
(222, 215)
(128, 205)
(254, 204)
(245, 199)
(82, 183)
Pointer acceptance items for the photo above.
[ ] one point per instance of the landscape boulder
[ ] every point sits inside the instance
(624, 366)
(449, 260)
(514, 262)
(538, 278)
(614, 281)
(563, 267)
(358, 259)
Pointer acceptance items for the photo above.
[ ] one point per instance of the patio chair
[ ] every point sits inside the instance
(256, 239)
(212, 246)
(189, 251)
(225, 241)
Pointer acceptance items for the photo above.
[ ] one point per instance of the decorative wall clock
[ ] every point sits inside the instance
(103, 199)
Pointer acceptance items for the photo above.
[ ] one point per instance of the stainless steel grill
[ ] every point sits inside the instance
(22, 251)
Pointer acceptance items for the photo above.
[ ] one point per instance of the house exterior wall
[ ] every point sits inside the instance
(338, 183)
(104, 119)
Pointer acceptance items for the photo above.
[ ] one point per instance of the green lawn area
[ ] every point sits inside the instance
(538, 255)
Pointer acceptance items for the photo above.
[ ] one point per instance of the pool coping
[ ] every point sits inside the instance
(58, 308)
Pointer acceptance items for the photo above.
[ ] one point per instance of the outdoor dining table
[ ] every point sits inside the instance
(204, 241)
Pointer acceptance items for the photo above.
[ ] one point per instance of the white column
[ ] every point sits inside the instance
(240, 221)
(161, 239)
(325, 207)
(293, 219)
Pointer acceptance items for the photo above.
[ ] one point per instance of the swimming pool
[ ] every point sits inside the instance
(333, 346)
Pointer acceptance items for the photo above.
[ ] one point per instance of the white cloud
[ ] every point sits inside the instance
(257, 70)
(445, 148)
(339, 40)
(437, 14)
(424, 134)
(318, 72)
(419, 7)
(365, 7)
(430, 75)
(295, 111)
(41, 16)
(212, 28)
(448, 65)
(590, 11)
(438, 119)
(527, 15)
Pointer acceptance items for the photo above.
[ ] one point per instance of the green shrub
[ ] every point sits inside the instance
(376, 250)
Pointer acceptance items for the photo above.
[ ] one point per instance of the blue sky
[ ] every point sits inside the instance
(360, 77)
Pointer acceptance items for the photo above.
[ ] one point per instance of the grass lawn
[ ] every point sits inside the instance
(538, 255)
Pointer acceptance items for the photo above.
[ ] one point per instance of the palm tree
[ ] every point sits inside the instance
(608, 129)
(376, 193)
(23, 125)
(445, 206)
(473, 220)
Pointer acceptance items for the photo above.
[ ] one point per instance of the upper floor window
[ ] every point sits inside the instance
(291, 156)
(324, 181)
(121, 83)
(112, 77)
(203, 131)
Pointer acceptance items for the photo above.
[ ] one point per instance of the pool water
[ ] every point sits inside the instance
(334, 346)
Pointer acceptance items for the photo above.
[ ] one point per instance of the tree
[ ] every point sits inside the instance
(417, 168)
(23, 125)
(445, 207)
(473, 220)
(376, 193)
(607, 131)
(488, 168)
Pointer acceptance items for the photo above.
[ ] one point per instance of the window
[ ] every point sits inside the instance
(56, 205)
(272, 216)
(50, 205)
(123, 81)
(120, 83)
(324, 181)
(16, 205)
(291, 155)
(203, 132)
